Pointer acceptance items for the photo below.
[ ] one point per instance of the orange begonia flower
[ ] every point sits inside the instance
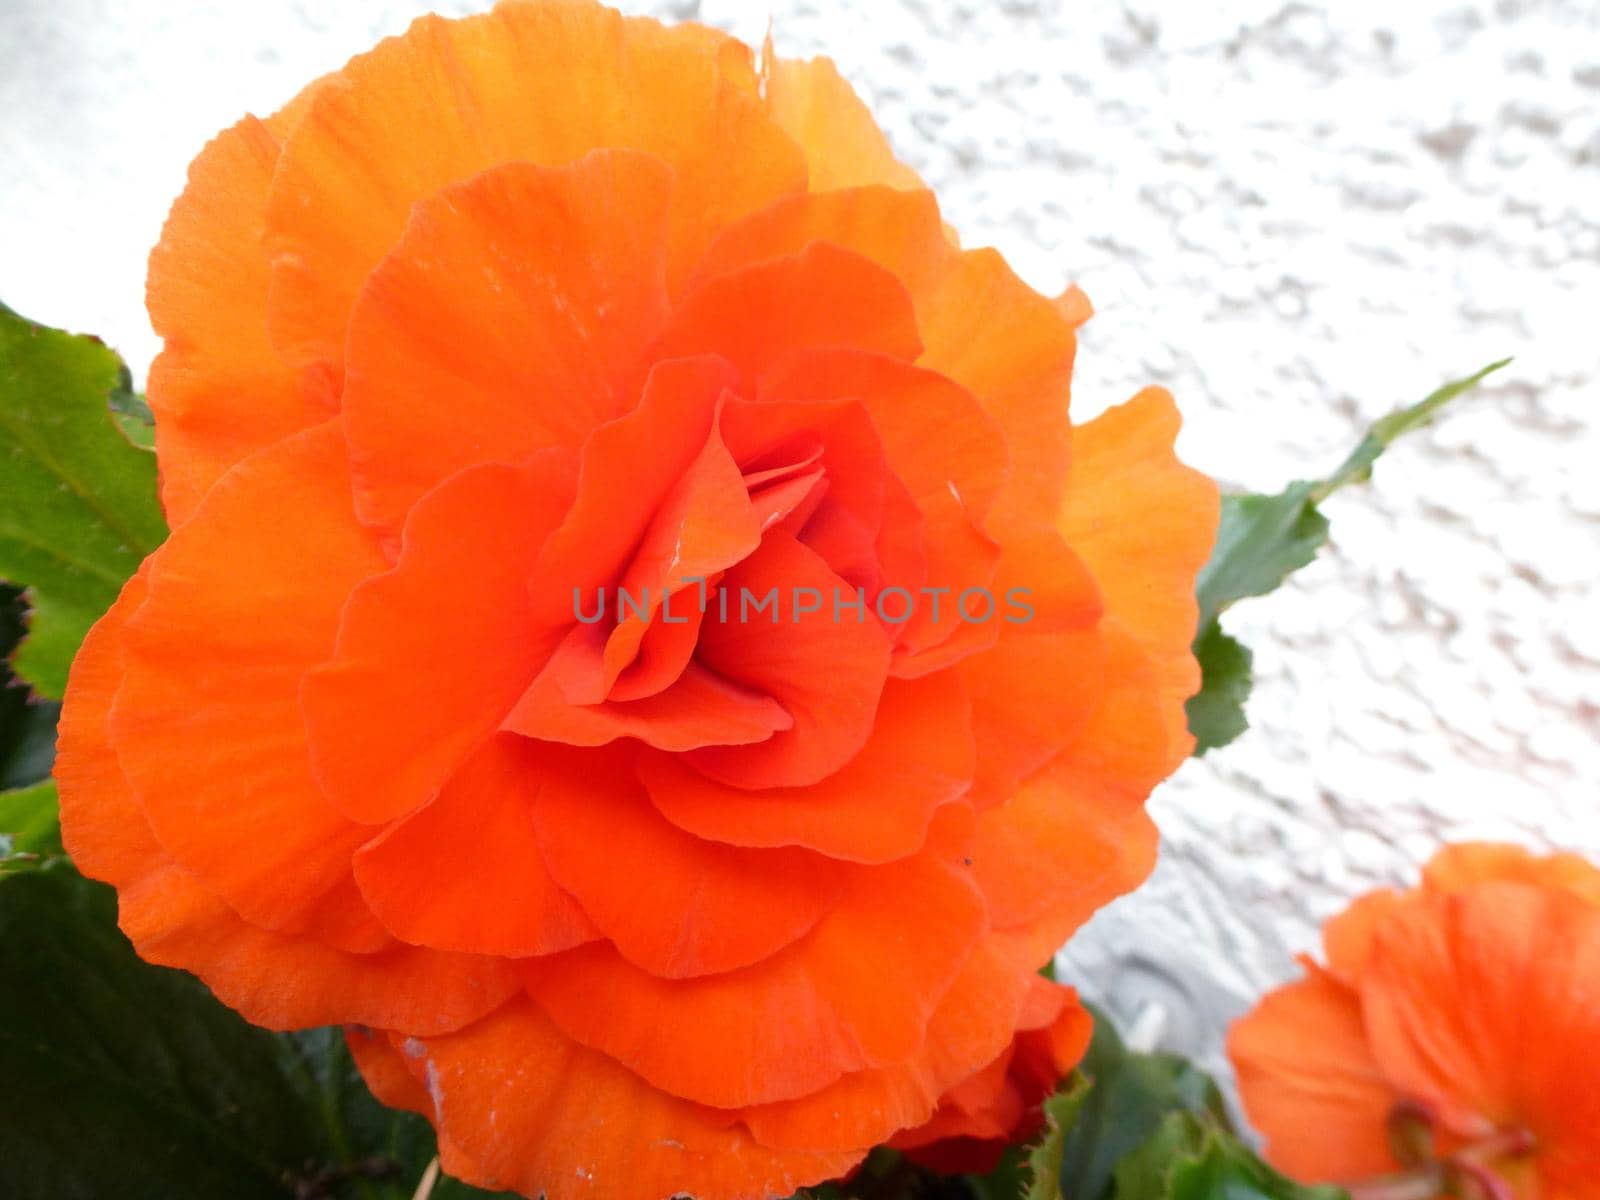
(509, 318)
(1451, 1044)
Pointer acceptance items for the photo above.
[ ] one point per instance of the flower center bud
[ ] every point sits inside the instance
(1467, 1173)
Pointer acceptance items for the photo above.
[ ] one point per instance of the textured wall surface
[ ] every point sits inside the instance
(1294, 215)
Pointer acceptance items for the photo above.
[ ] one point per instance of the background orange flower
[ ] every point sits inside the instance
(1466, 1011)
(547, 300)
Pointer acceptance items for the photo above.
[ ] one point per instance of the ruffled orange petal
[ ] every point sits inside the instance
(672, 904)
(523, 1106)
(1458, 867)
(1310, 1084)
(1012, 348)
(839, 512)
(1036, 688)
(1057, 1038)
(635, 538)
(488, 890)
(951, 459)
(384, 1069)
(699, 709)
(518, 286)
(102, 827)
(874, 809)
(1061, 847)
(1127, 730)
(1075, 306)
(899, 230)
(207, 719)
(664, 650)
(823, 296)
(980, 325)
(279, 980)
(827, 674)
(1144, 525)
(936, 436)
(794, 1022)
(526, 82)
(1347, 937)
(999, 1106)
(286, 981)
(445, 640)
(973, 1023)
(630, 469)
(707, 522)
(843, 145)
(218, 390)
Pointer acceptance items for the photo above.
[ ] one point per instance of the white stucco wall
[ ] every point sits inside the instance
(1294, 215)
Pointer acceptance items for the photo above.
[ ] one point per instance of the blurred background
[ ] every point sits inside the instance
(1296, 216)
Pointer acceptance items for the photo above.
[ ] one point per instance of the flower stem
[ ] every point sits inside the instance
(429, 1178)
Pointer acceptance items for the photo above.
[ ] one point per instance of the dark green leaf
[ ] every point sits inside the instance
(27, 736)
(1261, 541)
(1133, 1126)
(1131, 1096)
(27, 723)
(1146, 1173)
(1008, 1181)
(78, 507)
(123, 1079)
(128, 1080)
(1044, 1159)
(1216, 712)
(1124, 1110)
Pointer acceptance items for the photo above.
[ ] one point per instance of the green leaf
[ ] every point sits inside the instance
(1387, 430)
(29, 827)
(78, 508)
(125, 1079)
(1124, 1110)
(1044, 1160)
(1261, 541)
(1223, 1169)
(132, 413)
(1129, 1098)
(140, 432)
(1147, 1127)
(1216, 712)
(1190, 1158)
(1147, 1171)
(1130, 1126)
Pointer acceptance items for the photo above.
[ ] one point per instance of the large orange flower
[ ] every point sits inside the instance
(1453, 1038)
(509, 314)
